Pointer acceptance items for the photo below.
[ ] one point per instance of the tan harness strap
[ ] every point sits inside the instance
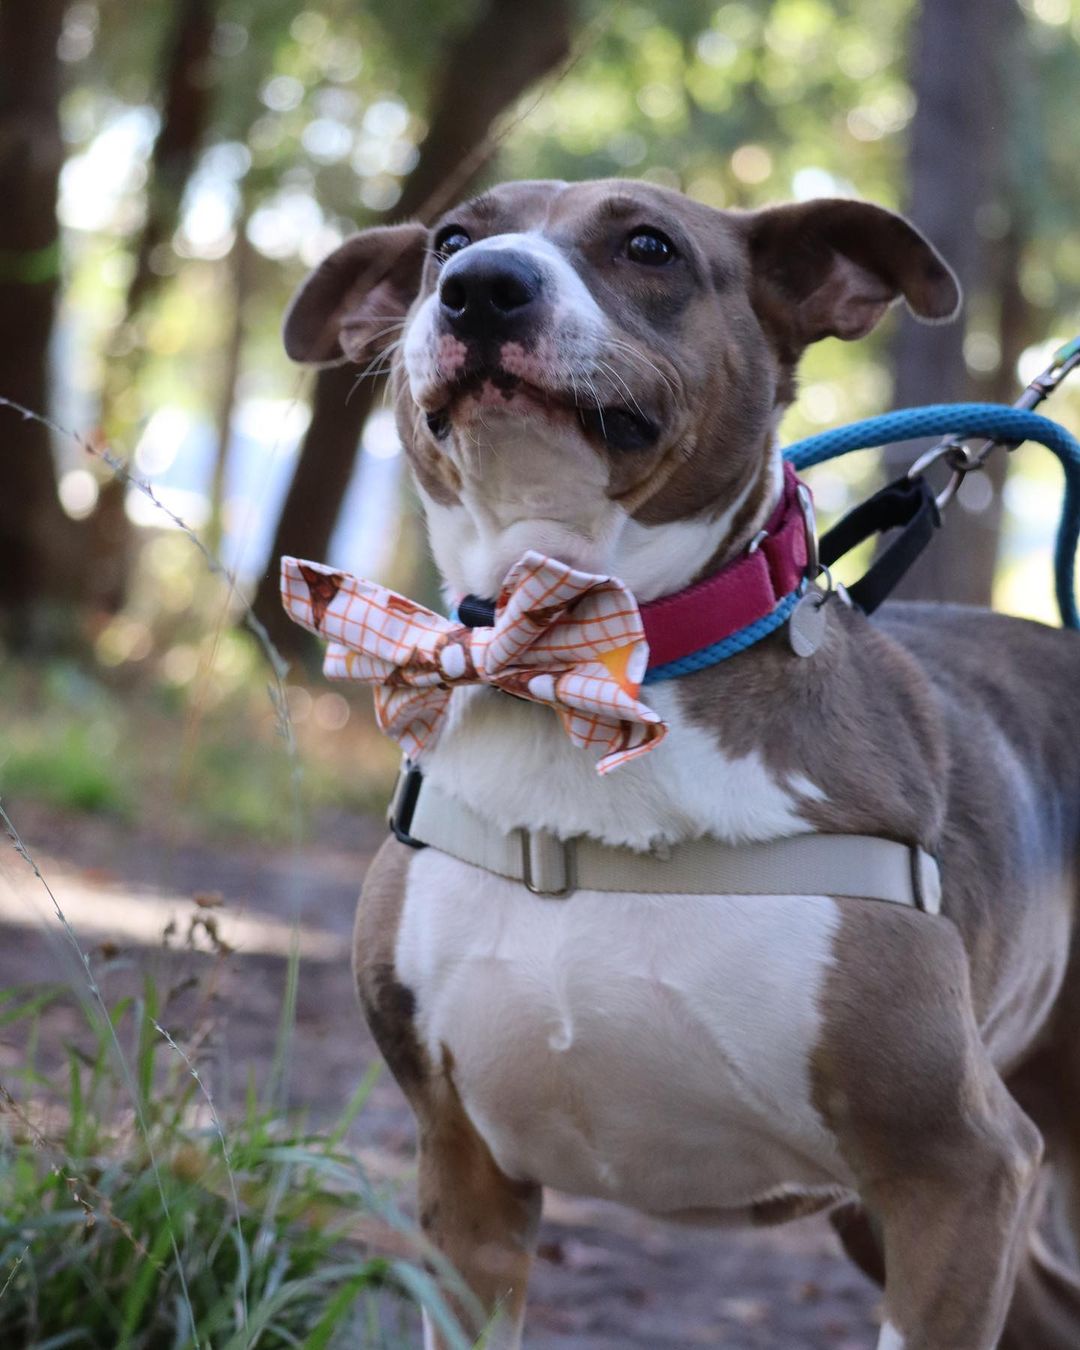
(855, 865)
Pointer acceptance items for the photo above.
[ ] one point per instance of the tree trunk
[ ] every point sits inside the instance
(959, 161)
(32, 524)
(508, 48)
(240, 266)
(184, 114)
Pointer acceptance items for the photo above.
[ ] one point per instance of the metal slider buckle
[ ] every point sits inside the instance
(547, 864)
(809, 519)
(403, 804)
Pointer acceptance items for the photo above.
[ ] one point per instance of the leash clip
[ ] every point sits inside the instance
(960, 458)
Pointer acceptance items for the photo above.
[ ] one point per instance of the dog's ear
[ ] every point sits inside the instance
(347, 307)
(831, 268)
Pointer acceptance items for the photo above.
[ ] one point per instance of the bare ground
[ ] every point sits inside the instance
(606, 1279)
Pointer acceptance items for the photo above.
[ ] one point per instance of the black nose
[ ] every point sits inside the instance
(491, 292)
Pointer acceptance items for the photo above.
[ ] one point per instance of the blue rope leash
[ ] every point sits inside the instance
(991, 420)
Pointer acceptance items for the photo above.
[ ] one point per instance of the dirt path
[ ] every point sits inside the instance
(606, 1279)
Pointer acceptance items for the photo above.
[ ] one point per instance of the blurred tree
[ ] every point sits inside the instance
(964, 194)
(311, 113)
(185, 112)
(507, 48)
(35, 535)
(241, 282)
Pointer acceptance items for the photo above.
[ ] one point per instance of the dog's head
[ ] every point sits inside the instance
(596, 370)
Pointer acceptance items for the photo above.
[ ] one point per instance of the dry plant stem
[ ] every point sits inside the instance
(125, 1068)
(279, 668)
(276, 690)
(78, 1186)
(245, 1266)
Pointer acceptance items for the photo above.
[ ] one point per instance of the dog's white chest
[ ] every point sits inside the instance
(652, 1049)
(513, 764)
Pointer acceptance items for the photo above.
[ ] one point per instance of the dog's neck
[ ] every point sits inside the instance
(689, 786)
(522, 497)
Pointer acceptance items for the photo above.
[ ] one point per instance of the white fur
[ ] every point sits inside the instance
(890, 1338)
(512, 762)
(535, 492)
(519, 492)
(649, 1049)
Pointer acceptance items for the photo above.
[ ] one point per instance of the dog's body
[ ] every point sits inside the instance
(718, 1058)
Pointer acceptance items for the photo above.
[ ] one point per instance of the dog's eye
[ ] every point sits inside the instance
(651, 248)
(450, 239)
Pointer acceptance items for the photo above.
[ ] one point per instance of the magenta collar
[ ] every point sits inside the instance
(737, 606)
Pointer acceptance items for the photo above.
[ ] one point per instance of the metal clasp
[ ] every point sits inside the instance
(960, 458)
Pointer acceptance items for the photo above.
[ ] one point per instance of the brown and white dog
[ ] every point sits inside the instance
(596, 371)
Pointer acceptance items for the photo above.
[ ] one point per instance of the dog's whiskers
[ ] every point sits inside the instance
(629, 392)
(618, 344)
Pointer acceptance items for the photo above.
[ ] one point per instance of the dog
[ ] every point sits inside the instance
(595, 372)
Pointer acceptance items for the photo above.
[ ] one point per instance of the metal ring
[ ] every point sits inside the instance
(943, 449)
(951, 488)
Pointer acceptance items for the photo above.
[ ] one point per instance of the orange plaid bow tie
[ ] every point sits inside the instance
(568, 639)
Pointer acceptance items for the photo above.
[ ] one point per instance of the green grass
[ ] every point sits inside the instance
(133, 1218)
(66, 769)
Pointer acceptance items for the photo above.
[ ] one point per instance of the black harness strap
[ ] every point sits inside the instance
(907, 505)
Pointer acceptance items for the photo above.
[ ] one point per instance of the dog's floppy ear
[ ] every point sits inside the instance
(832, 267)
(349, 305)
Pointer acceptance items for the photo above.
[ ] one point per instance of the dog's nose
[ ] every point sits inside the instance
(491, 291)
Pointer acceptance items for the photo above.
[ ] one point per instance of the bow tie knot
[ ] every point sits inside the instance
(564, 638)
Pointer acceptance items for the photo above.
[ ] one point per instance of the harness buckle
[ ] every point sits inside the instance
(547, 864)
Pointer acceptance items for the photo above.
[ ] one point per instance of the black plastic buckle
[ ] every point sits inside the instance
(403, 804)
(476, 612)
(907, 506)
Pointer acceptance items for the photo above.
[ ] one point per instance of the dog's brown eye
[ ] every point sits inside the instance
(450, 239)
(650, 247)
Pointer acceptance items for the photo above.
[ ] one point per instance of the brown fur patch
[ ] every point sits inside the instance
(389, 1006)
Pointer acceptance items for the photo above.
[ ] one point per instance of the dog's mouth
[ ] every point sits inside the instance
(618, 427)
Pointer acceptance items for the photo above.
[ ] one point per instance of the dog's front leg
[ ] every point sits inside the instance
(941, 1153)
(484, 1223)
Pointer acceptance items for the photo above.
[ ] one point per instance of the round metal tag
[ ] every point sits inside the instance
(806, 627)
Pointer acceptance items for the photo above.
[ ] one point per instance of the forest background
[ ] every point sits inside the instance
(168, 173)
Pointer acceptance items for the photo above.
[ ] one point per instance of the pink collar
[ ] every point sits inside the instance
(695, 627)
